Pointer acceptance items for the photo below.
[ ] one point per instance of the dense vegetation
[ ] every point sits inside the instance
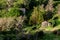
(29, 19)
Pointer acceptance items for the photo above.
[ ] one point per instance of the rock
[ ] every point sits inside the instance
(49, 24)
(45, 24)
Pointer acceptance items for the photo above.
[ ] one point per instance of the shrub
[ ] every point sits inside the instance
(3, 4)
(10, 13)
(13, 12)
(37, 15)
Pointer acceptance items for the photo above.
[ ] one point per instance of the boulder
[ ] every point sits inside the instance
(45, 24)
(49, 24)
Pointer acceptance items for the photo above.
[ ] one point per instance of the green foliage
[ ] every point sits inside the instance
(2, 13)
(3, 4)
(10, 13)
(13, 12)
(58, 22)
(35, 11)
(18, 3)
(37, 15)
(52, 22)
